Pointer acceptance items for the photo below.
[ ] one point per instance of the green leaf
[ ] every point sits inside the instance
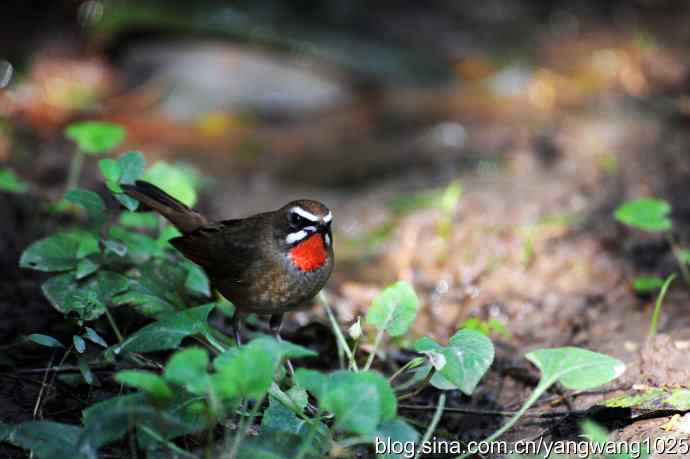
(387, 402)
(88, 244)
(356, 405)
(468, 356)
(131, 165)
(44, 340)
(138, 219)
(54, 253)
(157, 290)
(280, 445)
(312, 380)
(46, 439)
(86, 266)
(110, 170)
(196, 281)
(94, 337)
(179, 181)
(146, 381)
(87, 299)
(111, 419)
(684, 256)
(398, 431)
(168, 332)
(575, 368)
(85, 370)
(647, 284)
(95, 137)
(394, 309)
(188, 368)
(129, 202)
(10, 182)
(79, 343)
(88, 200)
(647, 214)
(248, 373)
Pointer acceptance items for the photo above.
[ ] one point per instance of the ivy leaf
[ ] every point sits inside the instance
(168, 332)
(95, 137)
(394, 309)
(398, 431)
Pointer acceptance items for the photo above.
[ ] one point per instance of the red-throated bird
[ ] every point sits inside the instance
(269, 263)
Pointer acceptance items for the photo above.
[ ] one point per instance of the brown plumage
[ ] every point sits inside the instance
(268, 263)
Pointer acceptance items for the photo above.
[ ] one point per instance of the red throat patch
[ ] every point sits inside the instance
(309, 254)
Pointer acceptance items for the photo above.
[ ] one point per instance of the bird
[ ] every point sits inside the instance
(269, 263)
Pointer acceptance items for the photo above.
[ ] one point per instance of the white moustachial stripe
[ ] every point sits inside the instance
(294, 237)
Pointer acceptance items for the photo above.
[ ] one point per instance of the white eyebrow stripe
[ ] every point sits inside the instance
(294, 237)
(303, 213)
(328, 217)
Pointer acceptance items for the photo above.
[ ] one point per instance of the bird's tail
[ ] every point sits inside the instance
(180, 215)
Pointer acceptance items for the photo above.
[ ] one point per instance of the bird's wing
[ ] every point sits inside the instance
(224, 249)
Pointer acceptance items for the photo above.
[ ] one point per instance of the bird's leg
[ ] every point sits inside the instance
(236, 324)
(274, 323)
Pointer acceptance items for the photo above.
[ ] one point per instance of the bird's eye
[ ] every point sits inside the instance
(296, 220)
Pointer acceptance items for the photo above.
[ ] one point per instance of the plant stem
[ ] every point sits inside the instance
(313, 426)
(120, 338)
(74, 171)
(538, 391)
(244, 426)
(659, 302)
(421, 386)
(172, 446)
(434, 422)
(377, 341)
(681, 263)
(401, 370)
(340, 338)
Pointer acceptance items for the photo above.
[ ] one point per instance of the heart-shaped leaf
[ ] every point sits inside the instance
(575, 368)
(468, 356)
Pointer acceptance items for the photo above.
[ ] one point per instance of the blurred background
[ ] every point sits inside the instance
(475, 149)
